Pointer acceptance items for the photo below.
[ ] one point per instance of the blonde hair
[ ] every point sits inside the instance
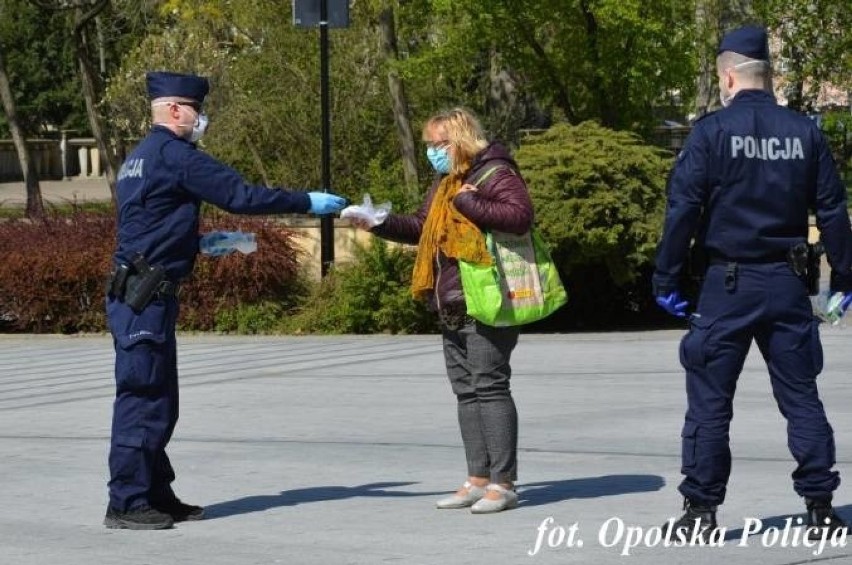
(464, 134)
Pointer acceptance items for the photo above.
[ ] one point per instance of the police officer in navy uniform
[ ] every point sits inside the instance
(742, 188)
(160, 189)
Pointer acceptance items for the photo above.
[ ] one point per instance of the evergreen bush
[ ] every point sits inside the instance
(370, 295)
(599, 198)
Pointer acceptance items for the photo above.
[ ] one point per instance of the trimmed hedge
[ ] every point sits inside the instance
(53, 273)
(219, 286)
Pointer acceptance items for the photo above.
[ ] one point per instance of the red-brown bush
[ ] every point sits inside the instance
(53, 271)
(223, 283)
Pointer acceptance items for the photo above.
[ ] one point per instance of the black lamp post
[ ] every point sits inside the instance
(325, 14)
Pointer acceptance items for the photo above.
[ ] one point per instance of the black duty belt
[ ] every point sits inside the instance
(802, 258)
(139, 283)
(716, 260)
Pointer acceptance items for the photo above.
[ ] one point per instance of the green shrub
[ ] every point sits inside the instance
(599, 198)
(371, 295)
(263, 318)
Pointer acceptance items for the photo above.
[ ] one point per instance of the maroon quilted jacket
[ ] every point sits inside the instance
(502, 203)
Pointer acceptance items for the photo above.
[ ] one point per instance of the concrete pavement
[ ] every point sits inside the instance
(332, 450)
(57, 191)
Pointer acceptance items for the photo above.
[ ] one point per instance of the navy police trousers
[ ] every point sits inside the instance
(146, 403)
(769, 304)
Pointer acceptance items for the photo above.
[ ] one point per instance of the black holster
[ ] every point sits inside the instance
(815, 253)
(117, 281)
(804, 260)
(136, 284)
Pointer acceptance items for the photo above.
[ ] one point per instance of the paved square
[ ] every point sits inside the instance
(332, 450)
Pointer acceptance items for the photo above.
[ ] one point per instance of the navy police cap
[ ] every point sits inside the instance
(162, 84)
(748, 40)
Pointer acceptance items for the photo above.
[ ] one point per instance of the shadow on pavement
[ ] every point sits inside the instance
(293, 497)
(546, 492)
(780, 522)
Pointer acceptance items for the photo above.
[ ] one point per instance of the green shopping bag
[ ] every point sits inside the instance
(521, 285)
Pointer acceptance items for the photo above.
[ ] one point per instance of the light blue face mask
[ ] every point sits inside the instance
(439, 158)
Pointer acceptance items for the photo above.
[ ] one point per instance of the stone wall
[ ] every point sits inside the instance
(55, 159)
(345, 239)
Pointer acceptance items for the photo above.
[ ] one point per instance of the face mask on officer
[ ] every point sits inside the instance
(726, 81)
(198, 127)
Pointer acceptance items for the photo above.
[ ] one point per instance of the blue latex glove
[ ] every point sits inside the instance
(325, 203)
(844, 304)
(673, 304)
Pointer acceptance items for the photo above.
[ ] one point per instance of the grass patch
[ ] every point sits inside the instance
(68, 208)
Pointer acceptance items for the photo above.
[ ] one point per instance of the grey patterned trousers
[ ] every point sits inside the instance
(477, 358)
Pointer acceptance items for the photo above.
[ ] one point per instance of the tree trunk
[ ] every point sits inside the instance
(35, 204)
(714, 18)
(735, 13)
(794, 90)
(400, 103)
(707, 30)
(90, 80)
(596, 84)
(561, 97)
(502, 103)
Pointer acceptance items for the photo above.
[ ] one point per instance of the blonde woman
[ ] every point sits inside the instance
(477, 187)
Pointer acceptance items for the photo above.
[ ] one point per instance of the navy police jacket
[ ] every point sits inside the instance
(743, 187)
(160, 189)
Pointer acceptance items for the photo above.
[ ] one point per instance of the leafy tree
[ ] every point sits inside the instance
(35, 205)
(816, 46)
(713, 18)
(41, 66)
(264, 104)
(386, 23)
(611, 60)
(87, 21)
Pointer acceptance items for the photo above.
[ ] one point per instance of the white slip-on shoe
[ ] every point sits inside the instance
(454, 501)
(508, 499)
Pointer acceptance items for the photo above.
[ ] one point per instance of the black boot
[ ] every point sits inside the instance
(822, 519)
(143, 518)
(179, 511)
(697, 517)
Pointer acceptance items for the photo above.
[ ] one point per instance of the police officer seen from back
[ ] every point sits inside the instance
(160, 189)
(743, 187)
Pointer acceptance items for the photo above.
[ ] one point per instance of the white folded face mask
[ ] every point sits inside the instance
(374, 216)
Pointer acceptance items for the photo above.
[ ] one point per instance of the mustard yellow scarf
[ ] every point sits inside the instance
(448, 231)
